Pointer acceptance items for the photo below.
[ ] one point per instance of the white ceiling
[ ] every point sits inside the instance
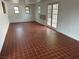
(15, 1)
(26, 1)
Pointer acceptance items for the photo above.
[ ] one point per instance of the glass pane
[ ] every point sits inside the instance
(49, 10)
(54, 25)
(27, 8)
(16, 10)
(55, 6)
(54, 21)
(49, 21)
(38, 9)
(55, 11)
(49, 15)
(28, 12)
(54, 15)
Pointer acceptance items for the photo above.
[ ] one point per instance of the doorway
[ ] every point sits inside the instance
(52, 15)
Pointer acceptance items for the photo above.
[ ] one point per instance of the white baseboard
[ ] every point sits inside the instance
(68, 35)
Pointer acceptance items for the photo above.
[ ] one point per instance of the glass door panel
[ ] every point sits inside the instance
(49, 15)
(54, 15)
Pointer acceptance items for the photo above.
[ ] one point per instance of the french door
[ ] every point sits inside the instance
(52, 15)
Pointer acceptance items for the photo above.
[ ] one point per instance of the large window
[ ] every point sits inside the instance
(52, 15)
(39, 10)
(16, 10)
(27, 9)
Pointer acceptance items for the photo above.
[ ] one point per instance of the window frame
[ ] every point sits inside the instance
(39, 9)
(55, 14)
(52, 13)
(15, 10)
(49, 13)
(27, 10)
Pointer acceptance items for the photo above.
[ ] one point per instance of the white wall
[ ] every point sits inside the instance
(68, 18)
(22, 16)
(4, 24)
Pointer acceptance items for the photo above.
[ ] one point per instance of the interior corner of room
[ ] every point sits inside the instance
(67, 21)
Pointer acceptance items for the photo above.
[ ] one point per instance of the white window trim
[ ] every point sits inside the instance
(17, 10)
(27, 10)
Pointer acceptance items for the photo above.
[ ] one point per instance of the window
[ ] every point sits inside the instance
(49, 15)
(39, 10)
(16, 10)
(27, 9)
(52, 15)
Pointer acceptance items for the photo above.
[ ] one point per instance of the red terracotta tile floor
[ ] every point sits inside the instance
(34, 41)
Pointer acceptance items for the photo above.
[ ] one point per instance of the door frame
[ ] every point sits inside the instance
(52, 12)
